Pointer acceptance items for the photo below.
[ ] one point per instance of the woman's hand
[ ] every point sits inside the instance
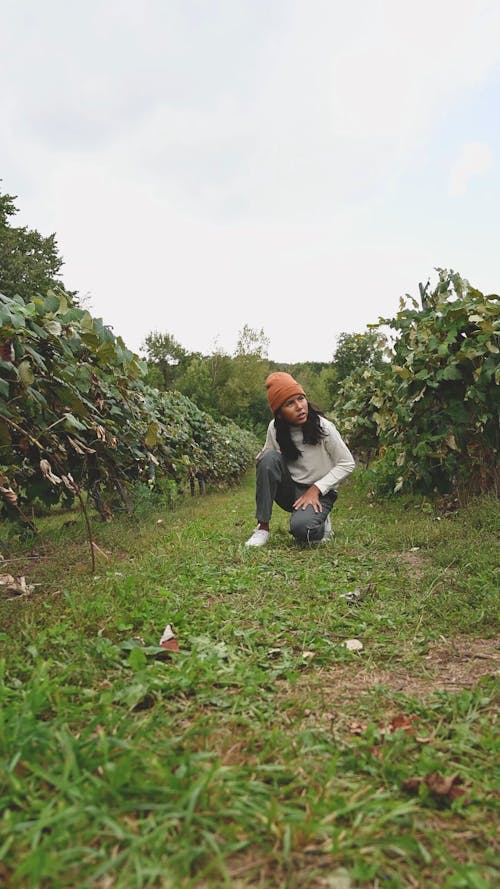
(309, 498)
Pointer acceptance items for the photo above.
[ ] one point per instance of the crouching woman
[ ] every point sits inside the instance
(300, 466)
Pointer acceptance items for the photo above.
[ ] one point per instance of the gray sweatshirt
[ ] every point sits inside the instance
(325, 464)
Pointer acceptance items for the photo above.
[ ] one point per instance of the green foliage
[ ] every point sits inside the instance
(231, 387)
(359, 396)
(357, 377)
(252, 343)
(440, 413)
(357, 351)
(29, 262)
(75, 412)
(166, 359)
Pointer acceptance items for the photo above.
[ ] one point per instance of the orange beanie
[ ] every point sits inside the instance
(280, 387)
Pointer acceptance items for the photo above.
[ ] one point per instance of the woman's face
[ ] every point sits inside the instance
(295, 410)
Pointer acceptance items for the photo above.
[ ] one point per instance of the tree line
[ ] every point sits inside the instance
(232, 386)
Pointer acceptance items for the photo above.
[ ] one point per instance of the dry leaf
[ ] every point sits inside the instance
(79, 446)
(356, 728)
(353, 596)
(168, 639)
(398, 722)
(353, 645)
(46, 471)
(7, 579)
(441, 786)
(9, 494)
(69, 482)
(16, 585)
(356, 595)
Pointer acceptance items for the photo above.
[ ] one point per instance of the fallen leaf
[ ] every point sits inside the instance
(356, 595)
(400, 721)
(170, 645)
(353, 645)
(168, 639)
(338, 879)
(7, 579)
(441, 786)
(16, 585)
(356, 728)
(353, 596)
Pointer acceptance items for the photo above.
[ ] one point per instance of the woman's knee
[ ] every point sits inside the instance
(306, 525)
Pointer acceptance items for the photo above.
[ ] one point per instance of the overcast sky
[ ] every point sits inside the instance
(296, 165)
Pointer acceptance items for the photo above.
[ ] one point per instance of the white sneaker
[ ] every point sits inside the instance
(258, 538)
(329, 532)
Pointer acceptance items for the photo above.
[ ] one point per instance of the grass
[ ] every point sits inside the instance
(264, 753)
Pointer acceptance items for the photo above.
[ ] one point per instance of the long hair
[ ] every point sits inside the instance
(311, 431)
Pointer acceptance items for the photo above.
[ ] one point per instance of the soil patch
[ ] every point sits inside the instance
(449, 665)
(416, 563)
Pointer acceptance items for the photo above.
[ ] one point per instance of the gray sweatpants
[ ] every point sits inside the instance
(276, 485)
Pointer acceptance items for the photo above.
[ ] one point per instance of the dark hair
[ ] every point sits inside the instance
(311, 431)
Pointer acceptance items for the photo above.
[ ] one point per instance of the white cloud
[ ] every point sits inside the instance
(474, 159)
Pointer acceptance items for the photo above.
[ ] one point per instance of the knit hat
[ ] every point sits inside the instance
(280, 387)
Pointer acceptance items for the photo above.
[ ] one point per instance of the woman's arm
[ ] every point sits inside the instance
(342, 459)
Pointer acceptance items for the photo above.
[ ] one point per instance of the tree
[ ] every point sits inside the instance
(231, 386)
(358, 350)
(30, 264)
(166, 359)
(252, 342)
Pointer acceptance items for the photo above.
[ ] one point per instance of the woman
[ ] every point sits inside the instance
(300, 466)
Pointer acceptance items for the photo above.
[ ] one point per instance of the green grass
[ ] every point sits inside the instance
(263, 754)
